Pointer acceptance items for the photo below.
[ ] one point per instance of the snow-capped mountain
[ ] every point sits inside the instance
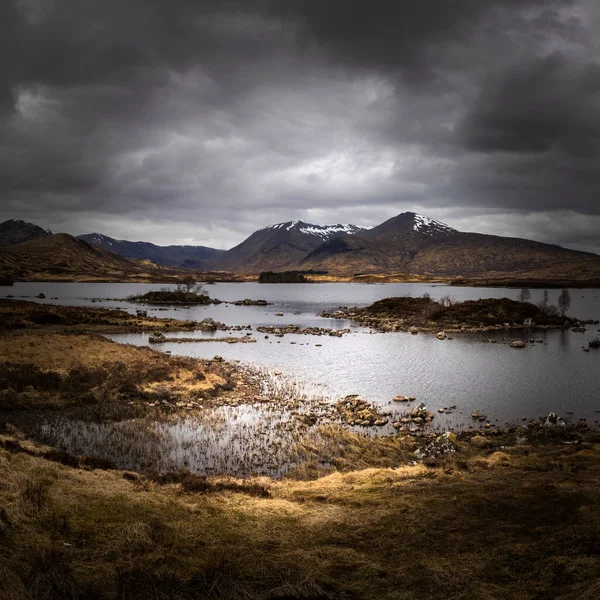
(324, 232)
(409, 225)
(282, 245)
(429, 226)
(406, 243)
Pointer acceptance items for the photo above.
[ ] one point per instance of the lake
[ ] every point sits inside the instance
(469, 372)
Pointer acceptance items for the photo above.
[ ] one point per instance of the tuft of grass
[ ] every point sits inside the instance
(34, 493)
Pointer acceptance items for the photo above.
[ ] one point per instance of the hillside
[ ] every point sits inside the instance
(188, 257)
(416, 244)
(281, 245)
(61, 257)
(408, 245)
(16, 231)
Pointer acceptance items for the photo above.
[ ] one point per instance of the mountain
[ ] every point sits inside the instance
(282, 245)
(189, 257)
(416, 244)
(63, 257)
(16, 231)
(408, 243)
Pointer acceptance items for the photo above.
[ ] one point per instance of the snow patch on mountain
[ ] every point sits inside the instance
(322, 231)
(429, 226)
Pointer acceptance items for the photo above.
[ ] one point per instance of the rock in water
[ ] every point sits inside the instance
(518, 344)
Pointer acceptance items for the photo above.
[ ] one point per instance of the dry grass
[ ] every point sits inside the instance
(518, 524)
(52, 370)
(21, 314)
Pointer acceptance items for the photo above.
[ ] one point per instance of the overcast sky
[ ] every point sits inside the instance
(199, 122)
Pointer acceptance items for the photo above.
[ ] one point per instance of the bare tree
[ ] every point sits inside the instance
(524, 295)
(544, 302)
(188, 285)
(564, 301)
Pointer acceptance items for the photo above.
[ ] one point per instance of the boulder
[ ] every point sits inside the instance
(401, 398)
(441, 335)
(553, 420)
(518, 344)
(441, 445)
(157, 338)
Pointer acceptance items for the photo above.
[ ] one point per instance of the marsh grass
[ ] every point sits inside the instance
(519, 523)
(357, 520)
(99, 377)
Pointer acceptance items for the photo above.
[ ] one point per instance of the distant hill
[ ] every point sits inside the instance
(281, 245)
(64, 257)
(188, 257)
(408, 244)
(416, 244)
(16, 231)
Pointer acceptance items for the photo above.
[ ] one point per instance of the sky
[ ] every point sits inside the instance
(187, 122)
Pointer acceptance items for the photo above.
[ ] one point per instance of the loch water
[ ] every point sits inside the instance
(507, 384)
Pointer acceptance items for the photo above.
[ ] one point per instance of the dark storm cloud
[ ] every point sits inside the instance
(202, 121)
(388, 35)
(548, 105)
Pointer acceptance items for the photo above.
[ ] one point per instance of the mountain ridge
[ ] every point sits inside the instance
(63, 257)
(15, 231)
(277, 246)
(182, 256)
(408, 243)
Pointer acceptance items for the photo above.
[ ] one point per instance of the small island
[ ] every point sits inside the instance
(425, 314)
(282, 277)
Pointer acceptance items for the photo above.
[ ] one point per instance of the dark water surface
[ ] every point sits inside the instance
(469, 372)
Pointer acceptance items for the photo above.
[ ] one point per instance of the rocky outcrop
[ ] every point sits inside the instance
(281, 331)
(355, 411)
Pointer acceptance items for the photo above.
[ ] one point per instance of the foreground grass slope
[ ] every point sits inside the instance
(516, 524)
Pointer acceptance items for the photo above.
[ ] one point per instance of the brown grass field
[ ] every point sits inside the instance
(360, 518)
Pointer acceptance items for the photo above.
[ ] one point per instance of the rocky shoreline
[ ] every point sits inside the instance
(416, 315)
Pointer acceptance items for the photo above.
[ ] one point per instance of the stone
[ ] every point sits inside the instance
(518, 344)
(441, 335)
(401, 399)
(553, 420)
(441, 445)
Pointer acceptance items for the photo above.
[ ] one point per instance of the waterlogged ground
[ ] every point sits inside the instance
(240, 440)
(510, 386)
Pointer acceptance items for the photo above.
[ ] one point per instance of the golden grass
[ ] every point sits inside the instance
(53, 370)
(522, 528)
(517, 522)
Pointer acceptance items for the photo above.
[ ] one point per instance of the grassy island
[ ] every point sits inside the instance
(425, 314)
